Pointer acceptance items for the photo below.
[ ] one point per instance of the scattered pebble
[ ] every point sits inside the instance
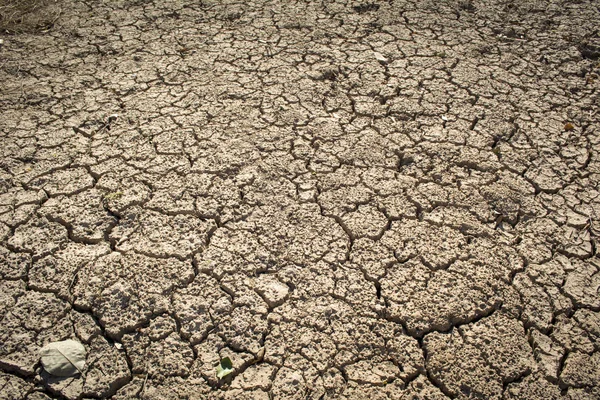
(380, 57)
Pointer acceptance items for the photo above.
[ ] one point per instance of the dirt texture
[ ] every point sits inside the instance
(350, 200)
(19, 16)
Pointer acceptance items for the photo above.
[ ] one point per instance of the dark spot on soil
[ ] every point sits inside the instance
(366, 7)
(591, 51)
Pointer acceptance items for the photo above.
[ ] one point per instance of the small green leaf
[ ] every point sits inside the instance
(113, 196)
(224, 368)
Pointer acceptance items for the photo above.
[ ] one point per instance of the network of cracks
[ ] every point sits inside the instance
(385, 199)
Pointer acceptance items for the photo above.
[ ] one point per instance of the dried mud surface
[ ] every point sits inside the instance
(390, 199)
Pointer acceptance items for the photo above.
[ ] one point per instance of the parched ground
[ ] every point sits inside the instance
(388, 199)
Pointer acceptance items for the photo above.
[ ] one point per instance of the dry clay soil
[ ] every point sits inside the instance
(376, 200)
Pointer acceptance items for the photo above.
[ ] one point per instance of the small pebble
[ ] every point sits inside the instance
(380, 57)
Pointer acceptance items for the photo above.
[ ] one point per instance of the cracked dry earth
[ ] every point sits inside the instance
(376, 200)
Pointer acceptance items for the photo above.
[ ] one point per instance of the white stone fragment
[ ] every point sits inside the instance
(380, 57)
(66, 358)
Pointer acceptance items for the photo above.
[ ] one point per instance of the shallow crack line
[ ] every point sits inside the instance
(420, 335)
(431, 378)
(518, 379)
